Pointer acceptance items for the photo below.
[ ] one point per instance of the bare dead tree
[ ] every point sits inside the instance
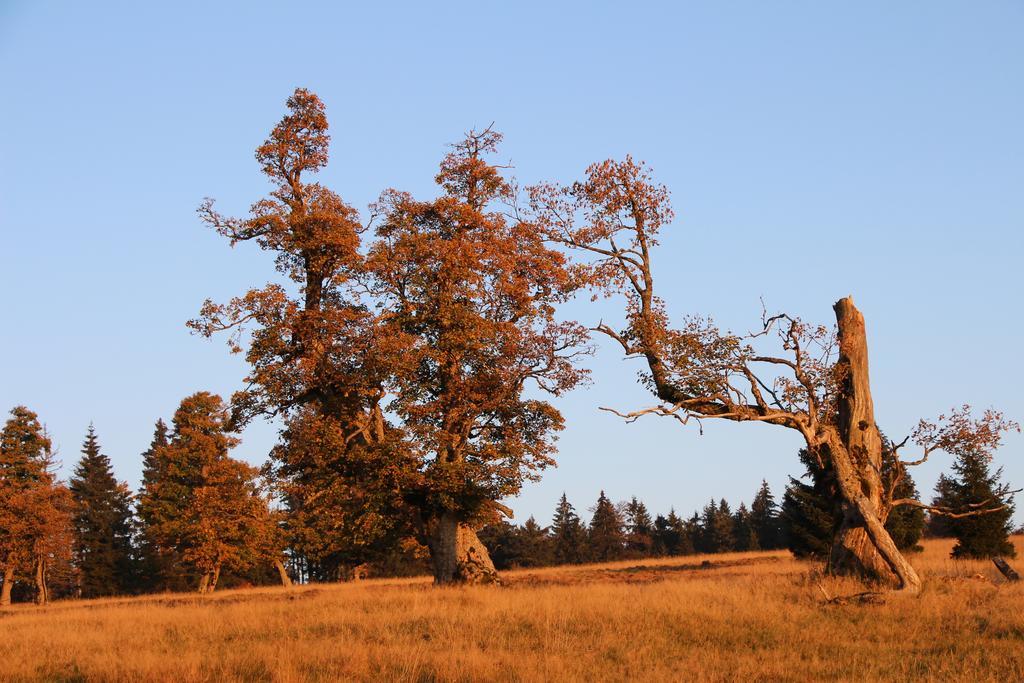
(815, 382)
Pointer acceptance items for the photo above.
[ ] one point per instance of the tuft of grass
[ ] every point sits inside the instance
(744, 616)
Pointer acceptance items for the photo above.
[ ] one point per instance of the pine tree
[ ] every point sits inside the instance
(725, 534)
(161, 502)
(639, 529)
(905, 523)
(744, 532)
(716, 528)
(986, 535)
(764, 517)
(941, 526)
(808, 520)
(534, 545)
(102, 523)
(810, 516)
(568, 535)
(671, 536)
(154, 570)
(605, 540)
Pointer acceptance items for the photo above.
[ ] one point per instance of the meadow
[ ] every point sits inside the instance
(738, 616)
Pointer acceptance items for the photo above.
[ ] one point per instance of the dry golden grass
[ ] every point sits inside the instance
(747, 617)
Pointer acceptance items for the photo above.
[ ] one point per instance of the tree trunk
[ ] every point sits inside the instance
(863, 547)
(457, 554)
(214, 579)
(286, 580)
(5, 590)
(41, 596)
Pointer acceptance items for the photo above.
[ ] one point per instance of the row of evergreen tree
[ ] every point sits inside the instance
(628, 531)
(200, 512)
(805, 523)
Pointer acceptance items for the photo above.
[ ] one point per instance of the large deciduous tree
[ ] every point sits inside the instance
(399, 367)
(35, 509)
(818, 385)
(199, 506)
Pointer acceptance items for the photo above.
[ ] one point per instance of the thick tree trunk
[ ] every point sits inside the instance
(5, 590)
(457, 554)
(41, 596)
(214, 579)
(286, 580)
(863, 547)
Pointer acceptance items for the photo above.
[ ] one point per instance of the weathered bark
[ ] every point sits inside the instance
(863, 546)
(1005, 569)
(41, 593)
(457, 554)
(5, 590)
(286, 580)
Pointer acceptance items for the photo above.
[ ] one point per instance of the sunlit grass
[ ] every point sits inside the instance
(747, 616)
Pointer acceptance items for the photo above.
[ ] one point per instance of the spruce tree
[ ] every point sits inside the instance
(160, 499)
(671, 536)
(102, 524)
(534, 545)
(568, 536)
(810, 516)
(744, 532)
(605, 539)
(941, 526)
(716, 528)
(764, 518)
(905, 523)
(639, 529)
(808, 520)
(985, 535)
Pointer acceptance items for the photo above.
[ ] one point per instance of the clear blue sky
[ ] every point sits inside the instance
(814, 150)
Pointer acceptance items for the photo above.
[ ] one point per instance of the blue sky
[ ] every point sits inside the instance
(813, 149)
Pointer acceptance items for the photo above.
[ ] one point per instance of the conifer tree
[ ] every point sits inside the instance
(102, 524)
(160, 505)
(534, 545)
(568, 536)
(810, 517)
(605, 538)
(744, 532)
(974, 486)
(906, 523)
(639, 529)
(808, 520)
(764, 517)
(716, 528)
(671, 536)
(941, 526)
(156, 571)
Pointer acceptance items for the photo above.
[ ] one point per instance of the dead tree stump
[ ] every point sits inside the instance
(1005, 569)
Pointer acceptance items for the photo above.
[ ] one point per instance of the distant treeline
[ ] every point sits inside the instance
(203, 519)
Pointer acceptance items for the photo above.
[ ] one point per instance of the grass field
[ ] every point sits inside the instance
(746, 617)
